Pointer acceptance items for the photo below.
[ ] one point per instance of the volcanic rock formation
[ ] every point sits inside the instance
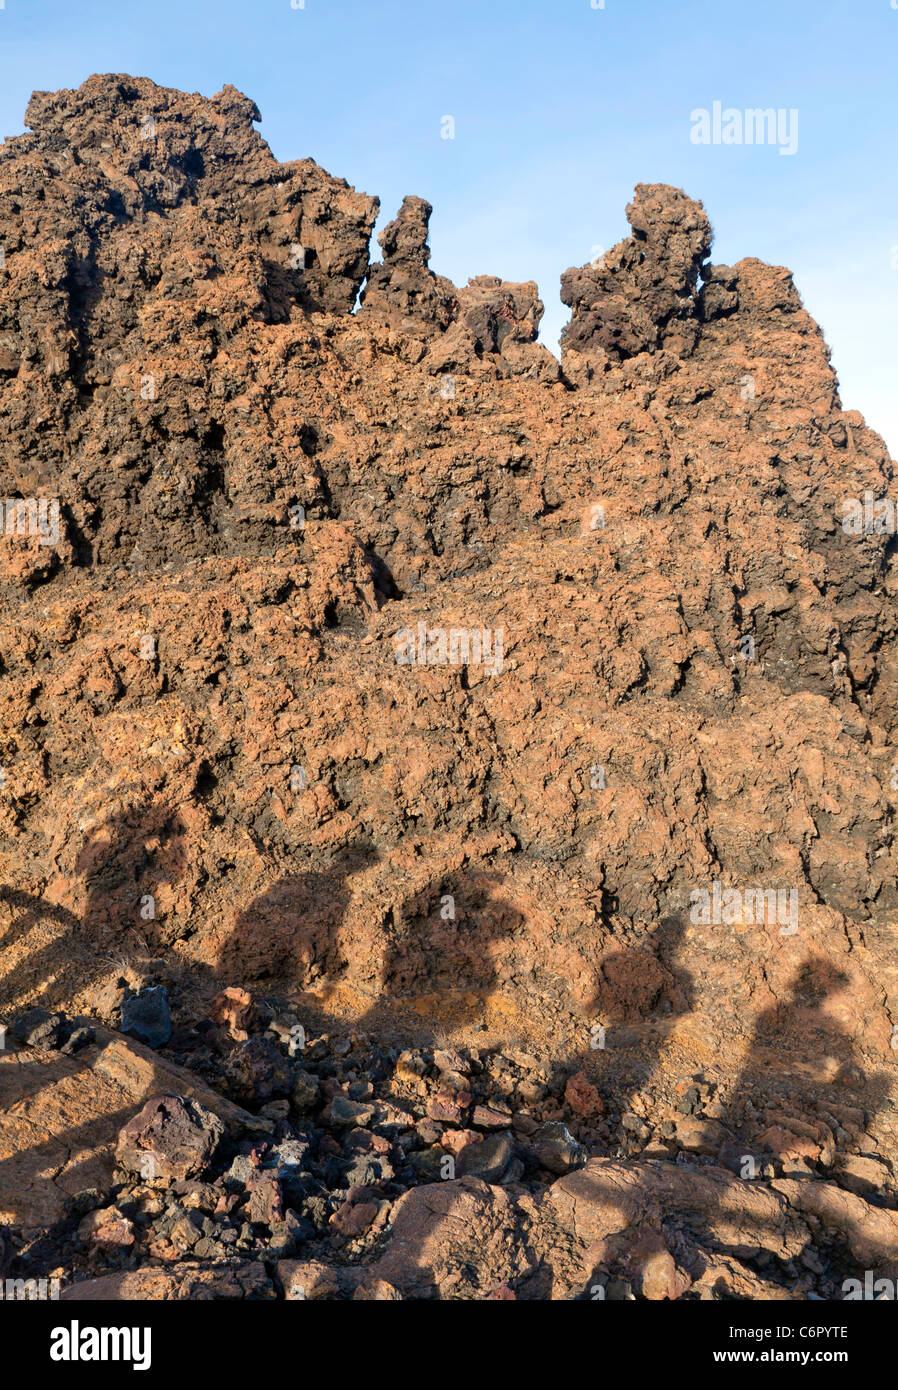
(379, 665)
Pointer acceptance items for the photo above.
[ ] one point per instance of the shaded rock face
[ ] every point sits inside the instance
(376, 657)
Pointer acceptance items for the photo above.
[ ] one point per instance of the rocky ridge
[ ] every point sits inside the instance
(346, 894)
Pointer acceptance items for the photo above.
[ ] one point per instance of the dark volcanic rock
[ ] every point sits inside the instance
(640, 295)
(148, 1016)
(171, 1138)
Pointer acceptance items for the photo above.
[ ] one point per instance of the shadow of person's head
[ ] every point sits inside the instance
(128, 863)
(806, 1031)
(800, 1014)
(636, 983)
(291, 931)
(448, 944)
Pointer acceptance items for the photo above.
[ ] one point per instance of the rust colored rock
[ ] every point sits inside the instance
(654, 1267)
(266, 1203)
(354, 1218)
(641, 295)
(233, 1009)
(107, 1229)
(582, 1096)
(449, 1106)
(171, 1138)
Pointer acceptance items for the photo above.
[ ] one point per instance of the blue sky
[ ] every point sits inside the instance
(559, 109)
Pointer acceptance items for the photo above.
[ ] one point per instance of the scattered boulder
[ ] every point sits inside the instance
(148, 1017)
(555, 1148)
(170, 1139)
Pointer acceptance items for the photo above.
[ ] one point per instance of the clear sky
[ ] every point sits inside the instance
(559, 109)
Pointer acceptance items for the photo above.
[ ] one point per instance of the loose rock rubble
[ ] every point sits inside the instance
(373, 714)
(437, 1173)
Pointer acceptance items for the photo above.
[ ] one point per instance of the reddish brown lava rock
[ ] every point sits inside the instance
(232, 1008)
(375, 655)
(582, 1096)
(170, 1138)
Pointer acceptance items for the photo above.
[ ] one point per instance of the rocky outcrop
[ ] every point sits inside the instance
(373, 662)
(402, 289)
(489, 317)
(641, 295)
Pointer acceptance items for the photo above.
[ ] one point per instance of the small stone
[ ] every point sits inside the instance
(700, 1136)
(78, 1038)
(410, 1067)
(454, 1140)
(354, 1218)
(306, 1280)
(491, 1117)
(233, 1009)
(306, 1091)
(428, 1131)
(147, 1016)
(633, 1124)
(531, 1092)
(582, 1097)
(688, 1100)
(171, 1138)
(488, 1159)
(259, 1072)
(448, 1060)
(107, 1229)
(184, 1234)
(343, 1113)
(449, 1107)
(289, 1157)
(431, 1163)
(265, 1205)
(863, 1176)
(40, 1028)
(556, 1148)
(241, 1171)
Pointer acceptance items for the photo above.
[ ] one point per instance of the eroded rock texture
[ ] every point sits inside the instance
(676, 667)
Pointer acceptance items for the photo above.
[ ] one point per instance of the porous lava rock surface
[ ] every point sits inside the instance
(278, 467)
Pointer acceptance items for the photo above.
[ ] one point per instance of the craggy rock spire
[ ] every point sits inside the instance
(403, 289)
(640, 295)
(489, 317)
